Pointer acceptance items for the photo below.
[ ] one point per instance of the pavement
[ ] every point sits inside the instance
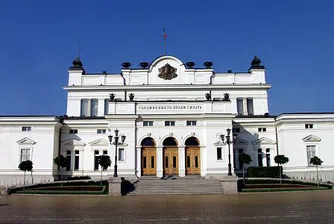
(282, 207)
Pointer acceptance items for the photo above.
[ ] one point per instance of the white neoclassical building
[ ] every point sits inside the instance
(171, 116)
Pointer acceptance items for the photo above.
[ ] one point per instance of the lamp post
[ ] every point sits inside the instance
(116, 143)
(227, 139)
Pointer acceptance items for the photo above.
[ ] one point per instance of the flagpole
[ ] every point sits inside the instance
(165, 45)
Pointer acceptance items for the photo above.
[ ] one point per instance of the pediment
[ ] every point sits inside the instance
(26, 141)
(264, 141)
(240, 141)
(219, 143)
(99, 142)
(73, 142)
(311, 138)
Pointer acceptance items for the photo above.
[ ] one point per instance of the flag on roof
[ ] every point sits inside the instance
(165, 34)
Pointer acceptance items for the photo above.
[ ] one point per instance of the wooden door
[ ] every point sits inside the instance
(171, 161)
(193, 161)
(148, 162)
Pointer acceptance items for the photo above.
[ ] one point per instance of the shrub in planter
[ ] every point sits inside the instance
(272, 171)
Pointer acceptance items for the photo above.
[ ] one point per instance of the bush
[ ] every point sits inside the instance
(272, 171)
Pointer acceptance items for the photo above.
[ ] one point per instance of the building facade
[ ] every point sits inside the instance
(170, 118)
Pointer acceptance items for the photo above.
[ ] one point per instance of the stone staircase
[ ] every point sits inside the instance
(176, 185)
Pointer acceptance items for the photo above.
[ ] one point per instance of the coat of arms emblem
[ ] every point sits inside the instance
(167, 72)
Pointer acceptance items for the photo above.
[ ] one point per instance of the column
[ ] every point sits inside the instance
(203, 161)
(160, 169)
(138, 161)
(182, 159)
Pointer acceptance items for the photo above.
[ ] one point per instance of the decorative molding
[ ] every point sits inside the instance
(240, 141)
(192, 133)
(170, 134)
(264, 141)
(311, 138)
(99, 142)
(26, 141)
(148, 134)
(219, 143)
(73, 142)
(167, 72)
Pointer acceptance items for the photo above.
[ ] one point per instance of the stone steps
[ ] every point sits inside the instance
(192, 185)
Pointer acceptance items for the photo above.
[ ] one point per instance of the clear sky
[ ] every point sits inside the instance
(293, 38)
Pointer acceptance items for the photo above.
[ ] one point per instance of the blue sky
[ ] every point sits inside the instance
(38, 41)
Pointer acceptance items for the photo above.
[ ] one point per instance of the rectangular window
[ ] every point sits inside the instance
(96, 160)
(262, 129)
(169, 123)
(191, 123)
(73, 131)
(121, 154)
(268, 157)
(219, 153)
(240, 106)
(69, 159)
(152, 161)
(147, 123)
(308, 126)
(250, 108)
(26, 129)
(260, 157)
(76, 160)
(174, 161)
(94, 107)
(101, 131)
(84, 108)
(236, 130)
(25, 155)
(310, 149)
(188, 162)
(106, 106)
(105, 152)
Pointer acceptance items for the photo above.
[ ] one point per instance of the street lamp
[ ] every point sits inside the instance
(116, 143)
(227, 139)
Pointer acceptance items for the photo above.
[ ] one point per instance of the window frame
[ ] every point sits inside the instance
(191, 123)
(309, 126)
(118, 154)
(170, 123)
(74, 131)
(101, 131)
(315, 153)
(148, 123)
(21, 154)
(26, 128)
(219, 149)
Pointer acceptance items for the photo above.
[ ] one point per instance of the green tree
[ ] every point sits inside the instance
(61, 162)
(317, 162)
(244, 158)
(281, 159)
(105, 162)
(25, 166)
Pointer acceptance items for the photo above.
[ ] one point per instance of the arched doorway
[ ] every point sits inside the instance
(148, 155)
(193, 159)
(171, 158)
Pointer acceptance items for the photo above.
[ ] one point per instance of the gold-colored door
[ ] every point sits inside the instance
(148, 162)
(193, 161)
(171, 161)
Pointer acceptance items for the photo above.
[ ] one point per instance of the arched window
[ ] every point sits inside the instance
(170, 142)
(148, 142)
(192, 141)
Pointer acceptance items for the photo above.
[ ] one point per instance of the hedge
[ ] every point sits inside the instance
(271, 171)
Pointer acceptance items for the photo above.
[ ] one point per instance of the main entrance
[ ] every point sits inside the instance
(170, 157)
(149, 160)
(193, 162)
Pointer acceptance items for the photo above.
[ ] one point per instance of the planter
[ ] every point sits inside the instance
(126, 64)
(208, 64)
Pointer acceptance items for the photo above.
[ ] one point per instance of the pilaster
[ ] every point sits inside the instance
(159, 153)
(182, 157)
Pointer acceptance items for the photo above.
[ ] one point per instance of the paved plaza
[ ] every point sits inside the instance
(288, 207)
